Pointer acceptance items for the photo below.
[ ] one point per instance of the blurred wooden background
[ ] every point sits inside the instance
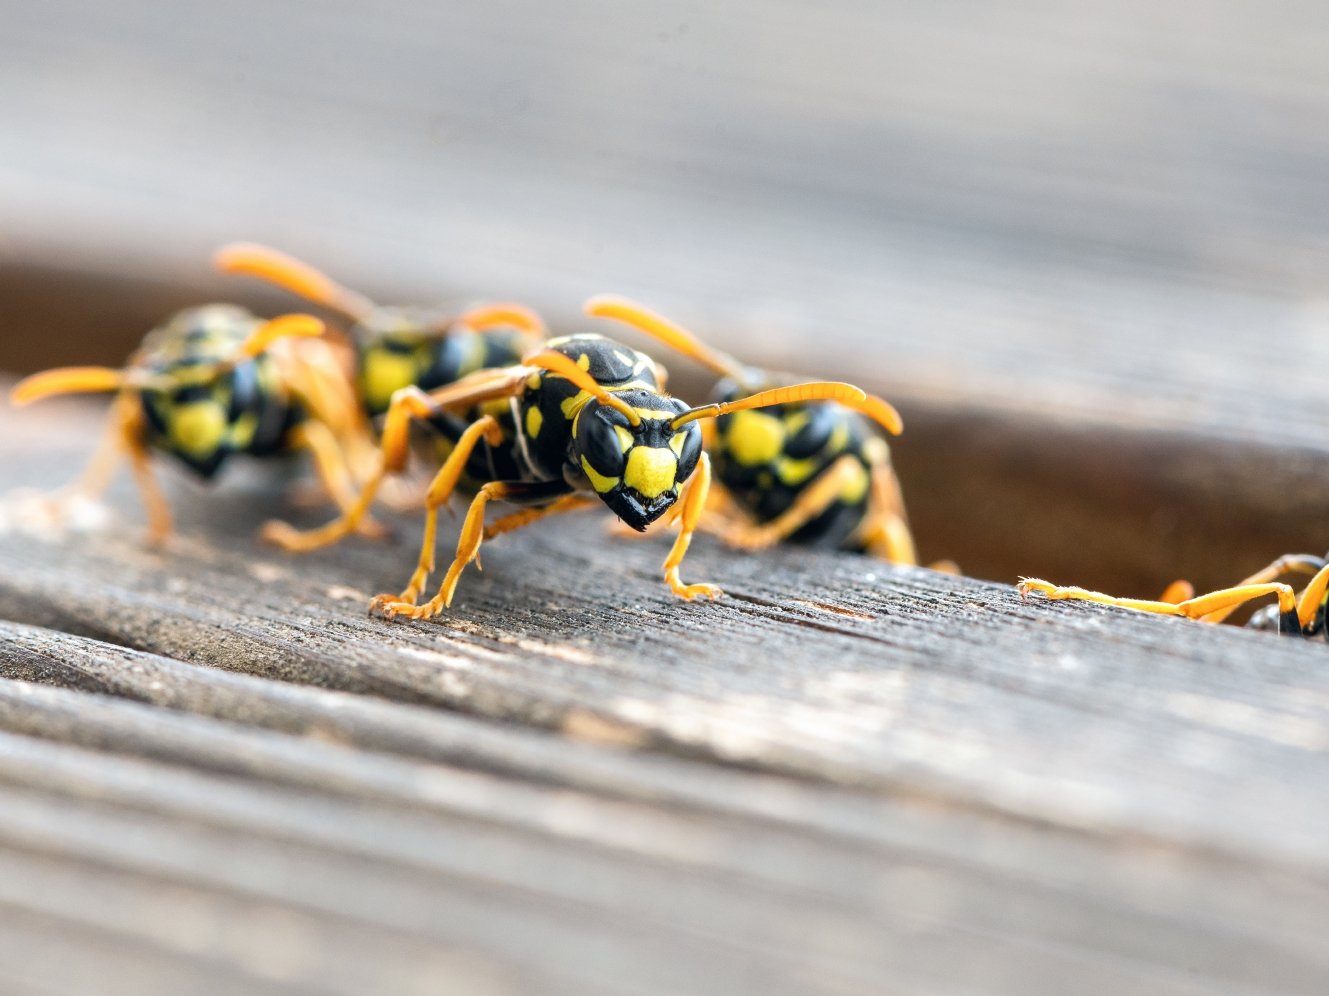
(1074, 217)
(1034, 226)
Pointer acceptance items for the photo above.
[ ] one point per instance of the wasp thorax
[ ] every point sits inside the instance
(636, 469)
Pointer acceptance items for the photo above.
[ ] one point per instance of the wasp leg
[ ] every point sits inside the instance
(333, 471)
(440, 490)
(1179, 591)
(819, 495)
(468, 544)
(320, 379)
(140, 459)
(1313, 597)
(1192, 608)
(406, 404)
(1289, 563)
(694, 502)
(886, 532)
(269, 332)
(524, 517)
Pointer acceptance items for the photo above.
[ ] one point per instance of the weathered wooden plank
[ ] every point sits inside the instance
(1078, 743)
(944, 685)
(845, 777)
(1028, 230)
(894, 897)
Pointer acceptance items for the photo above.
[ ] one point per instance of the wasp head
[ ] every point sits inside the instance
(637, 470)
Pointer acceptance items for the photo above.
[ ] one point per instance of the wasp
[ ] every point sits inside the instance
(397, 346)
(582, 419)
(1295, 614)
(810, 471)
(210, 382)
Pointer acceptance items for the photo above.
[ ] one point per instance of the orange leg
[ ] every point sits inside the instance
(811, 502)
(524, 517)
(333, 471)
(886, 532)
(140, 459)
(407, 404)
(440, 490)
(1191, 608)
(1290, 563)
(694, 502)
(1179, 591)
(473, 533)
(1312, 598)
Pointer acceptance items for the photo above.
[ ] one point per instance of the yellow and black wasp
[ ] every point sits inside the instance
(809, 471)
(210, 382)
(398, 346)
(1295, 614)
(582, 418)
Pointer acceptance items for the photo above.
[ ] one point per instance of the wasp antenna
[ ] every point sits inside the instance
(281, 327)
(263, 336)
(503, 315)
(661, 328)
(823, 390)
(564, 366)
(66, 380)
(880, 411)
(299, 278)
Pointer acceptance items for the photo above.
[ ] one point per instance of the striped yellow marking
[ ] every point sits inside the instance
(755, 438)
(856, 486)
(383, 373)
(535, 419)
(197, 429)
(603, 485)
(242, 431)
(795, 472)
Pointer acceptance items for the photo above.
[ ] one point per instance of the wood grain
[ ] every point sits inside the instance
(843, 777)
(1082, 248)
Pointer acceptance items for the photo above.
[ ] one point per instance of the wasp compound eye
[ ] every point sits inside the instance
(603, 439)
(687, 444)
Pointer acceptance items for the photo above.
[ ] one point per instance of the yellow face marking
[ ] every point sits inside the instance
(534, 420)
(198, 428)
(655, 414)
(676, 442)
(855, 487)
(651, 470)
(603, 485)
(624, 438)
(794, 472)
(584, 361)
(839, 438)
(383, 373)
(755, 438)
(533, 382)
